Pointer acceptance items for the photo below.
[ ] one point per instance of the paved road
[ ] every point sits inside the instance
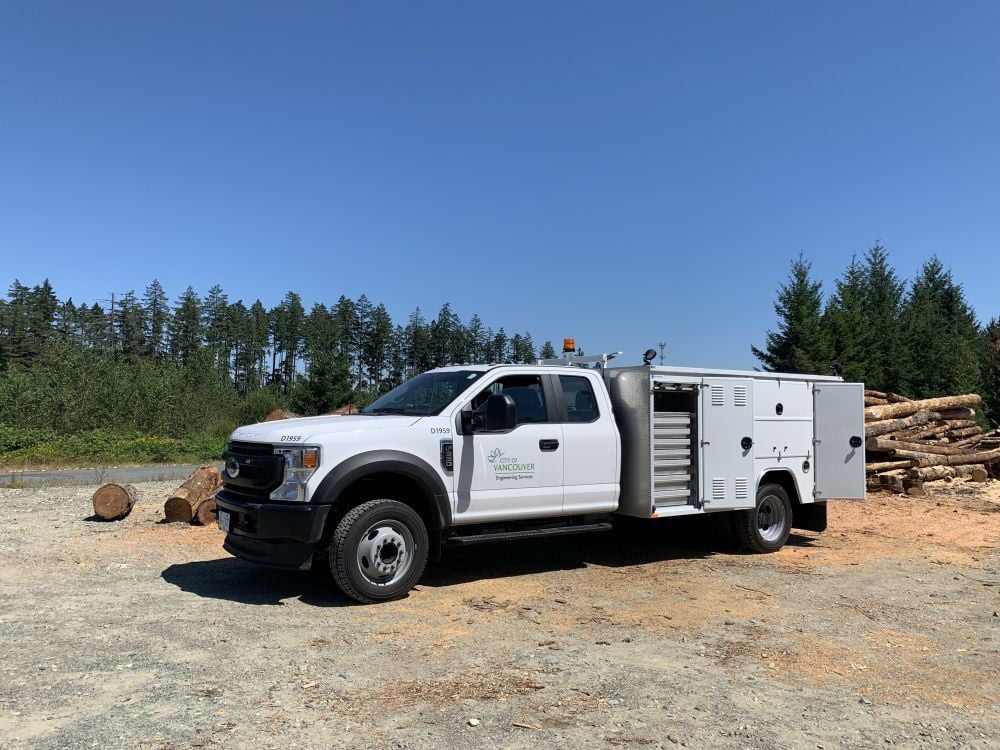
(96, 475)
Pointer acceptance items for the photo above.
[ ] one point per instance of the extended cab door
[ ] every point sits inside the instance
(516, 474)
(591, 455)
(839, 429)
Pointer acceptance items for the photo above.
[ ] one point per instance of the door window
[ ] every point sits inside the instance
(526, 392)
(581, 406)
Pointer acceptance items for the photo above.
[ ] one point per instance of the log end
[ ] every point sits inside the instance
(205, 516)
(177, 510)
(113, 501)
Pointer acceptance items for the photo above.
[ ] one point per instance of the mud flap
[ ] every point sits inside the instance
(811, 517)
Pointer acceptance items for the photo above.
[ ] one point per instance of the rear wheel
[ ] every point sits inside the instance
(378, 551)
(767, 526)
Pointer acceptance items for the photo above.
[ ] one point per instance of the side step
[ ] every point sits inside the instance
(498, 536)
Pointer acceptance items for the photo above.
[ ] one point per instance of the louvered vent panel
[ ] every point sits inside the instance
(671, 458)
(719, 488)
(718, 395)
(740, 395)
(742, 488)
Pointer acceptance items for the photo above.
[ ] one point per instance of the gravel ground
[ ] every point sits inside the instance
(882, 632)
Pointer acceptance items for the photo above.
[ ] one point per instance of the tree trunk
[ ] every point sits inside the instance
(962, 412)
(877, 466)
(982, 457)
(874, 429)
(906, 408)
(198, 488)
(934, 473)
(892, 447)
(114, 501)
(891, 398)
(205, 513)
(965, 432)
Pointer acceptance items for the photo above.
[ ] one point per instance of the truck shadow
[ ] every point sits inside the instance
(651, 542)
(692, 539)
(238, 581)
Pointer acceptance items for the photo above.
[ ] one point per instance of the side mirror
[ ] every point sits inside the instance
(501, 414)
(473, 421)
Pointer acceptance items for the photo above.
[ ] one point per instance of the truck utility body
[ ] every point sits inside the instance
(472, 453)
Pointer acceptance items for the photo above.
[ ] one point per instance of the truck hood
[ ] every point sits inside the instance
(293, 431)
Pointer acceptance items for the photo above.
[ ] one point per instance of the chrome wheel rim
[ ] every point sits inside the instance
(385, 552)
(771, 518)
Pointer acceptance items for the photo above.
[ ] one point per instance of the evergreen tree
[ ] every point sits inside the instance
(256, 343)
(129, 325)
(185, 327)
(991, 373)
(941, 337)
(548, 351)
(418, 344)
(156, 312)
(883, 306)
(375, 346)
(215, 321)
(800, 343)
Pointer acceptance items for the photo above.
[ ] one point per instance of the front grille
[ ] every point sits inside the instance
(260, 470)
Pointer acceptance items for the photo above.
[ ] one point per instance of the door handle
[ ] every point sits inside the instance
(548, 445)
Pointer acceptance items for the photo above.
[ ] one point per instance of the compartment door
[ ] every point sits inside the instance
(839, 434)
(726, 460)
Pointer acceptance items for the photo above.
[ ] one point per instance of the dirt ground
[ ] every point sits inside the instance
(882, 632)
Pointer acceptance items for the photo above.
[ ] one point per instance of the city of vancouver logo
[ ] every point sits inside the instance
(507, 467)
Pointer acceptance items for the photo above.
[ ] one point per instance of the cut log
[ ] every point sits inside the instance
(916, 489)
(874, 429)
(205, 514)
(891, 483)
(960, 413)
(114, 501)
(872, 401)
(198, 488)
(906, 408)
(276, 414)
(980, 457)
(888, 397)
(892, 447)
(878, 466)
(965, 432)
(935, 473)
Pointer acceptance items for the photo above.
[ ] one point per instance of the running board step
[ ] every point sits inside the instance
(498, 536)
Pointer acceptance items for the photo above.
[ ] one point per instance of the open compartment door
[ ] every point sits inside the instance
(839, 440)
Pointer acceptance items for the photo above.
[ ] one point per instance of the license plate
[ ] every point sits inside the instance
(223, 518)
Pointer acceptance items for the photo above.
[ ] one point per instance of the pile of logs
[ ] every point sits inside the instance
(193, 502)
(911, 442)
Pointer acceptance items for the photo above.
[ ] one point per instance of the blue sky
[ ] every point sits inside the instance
(623, 173)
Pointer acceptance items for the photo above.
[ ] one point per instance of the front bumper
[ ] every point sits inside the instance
(278, 535)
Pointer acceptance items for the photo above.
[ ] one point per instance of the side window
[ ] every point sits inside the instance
(581, 406)
(525, 390)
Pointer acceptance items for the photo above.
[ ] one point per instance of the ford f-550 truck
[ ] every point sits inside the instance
(476, 453)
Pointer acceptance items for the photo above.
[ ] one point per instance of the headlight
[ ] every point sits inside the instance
(300, 464)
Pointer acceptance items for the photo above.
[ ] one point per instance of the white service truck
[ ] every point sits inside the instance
(477, 453)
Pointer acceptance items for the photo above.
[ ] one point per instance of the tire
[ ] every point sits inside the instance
(721, 525)
(767, 526)
(378, 551)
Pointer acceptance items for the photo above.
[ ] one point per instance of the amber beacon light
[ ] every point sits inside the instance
(569, 345)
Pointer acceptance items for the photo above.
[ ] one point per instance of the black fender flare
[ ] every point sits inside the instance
(367, 464)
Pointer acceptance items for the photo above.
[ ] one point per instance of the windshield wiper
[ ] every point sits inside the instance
(385, 410)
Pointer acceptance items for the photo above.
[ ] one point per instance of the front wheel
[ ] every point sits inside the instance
(767, 526)
(378, 551)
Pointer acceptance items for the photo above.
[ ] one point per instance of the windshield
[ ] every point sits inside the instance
(425, 395)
